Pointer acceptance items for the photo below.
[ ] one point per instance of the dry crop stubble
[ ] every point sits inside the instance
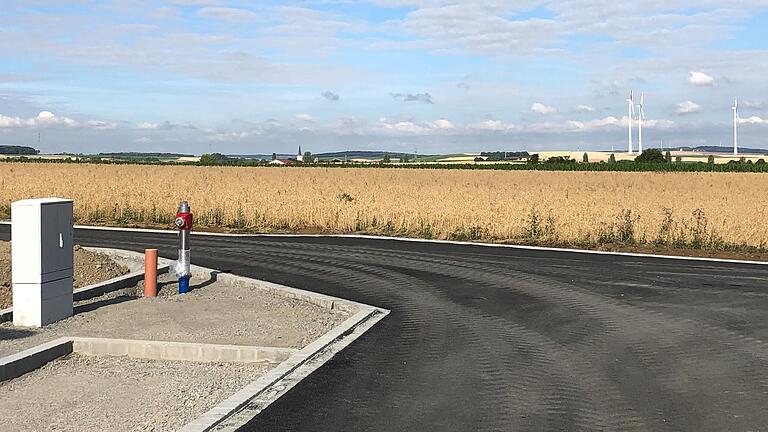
(569, 207)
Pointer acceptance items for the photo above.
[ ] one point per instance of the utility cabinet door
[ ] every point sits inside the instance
(25, 248)
(56, 237)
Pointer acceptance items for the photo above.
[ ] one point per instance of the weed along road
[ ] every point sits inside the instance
(483, 338)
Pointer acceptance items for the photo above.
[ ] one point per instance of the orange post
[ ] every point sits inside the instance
(150, 272)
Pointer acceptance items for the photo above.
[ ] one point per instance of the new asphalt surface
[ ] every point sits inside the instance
(486, 338)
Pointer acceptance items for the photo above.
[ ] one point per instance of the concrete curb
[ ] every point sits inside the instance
(97, 289)
(16, 365)
(259, 394)
(113, 284)
(180, 351)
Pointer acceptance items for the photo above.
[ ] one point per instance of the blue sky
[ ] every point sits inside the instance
(439, 75)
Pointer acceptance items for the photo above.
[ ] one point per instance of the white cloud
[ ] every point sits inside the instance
(659, 124)
(47, 119)
(493, 125)
(228, 14)
(585, 108)
(609, 122)
(305, 118)
(752, 120)
(443, 124)
(143, 140)
(408, 126)
(228, 136)
(687, 107)
(593, 124)
(10, 122)
(497, 27)
(164, 126)
(540, 108)
(700, 79)
(43, 120)
(752, 104)
(147, 125)
(100, 125)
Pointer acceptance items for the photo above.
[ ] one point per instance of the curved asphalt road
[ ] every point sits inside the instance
(505, 339)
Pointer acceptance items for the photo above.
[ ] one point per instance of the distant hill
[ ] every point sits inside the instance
(352, 154)
(259, 156)
(17, 150)
(139, 155)
(363, 154)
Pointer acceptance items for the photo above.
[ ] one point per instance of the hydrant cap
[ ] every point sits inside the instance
(184, 207)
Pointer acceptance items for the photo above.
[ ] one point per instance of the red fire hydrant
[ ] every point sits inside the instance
(184, 224)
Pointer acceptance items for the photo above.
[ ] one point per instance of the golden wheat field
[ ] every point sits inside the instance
(713, 209)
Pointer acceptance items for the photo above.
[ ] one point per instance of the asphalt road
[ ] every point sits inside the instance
(503, 339)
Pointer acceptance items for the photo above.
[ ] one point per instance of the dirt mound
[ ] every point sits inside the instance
(90, 268)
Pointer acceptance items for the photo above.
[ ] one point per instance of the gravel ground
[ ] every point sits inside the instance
(213, 312)
(118, 393)
(89, 268)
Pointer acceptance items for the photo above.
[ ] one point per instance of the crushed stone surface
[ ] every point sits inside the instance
(100, 393)
(96, 393)
(214, 312)
(89, 268)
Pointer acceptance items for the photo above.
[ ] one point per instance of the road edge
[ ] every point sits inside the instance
(415, 240)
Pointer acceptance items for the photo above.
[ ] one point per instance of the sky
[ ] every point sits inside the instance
(433, 76)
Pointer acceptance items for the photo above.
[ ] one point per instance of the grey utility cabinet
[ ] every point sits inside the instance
(42, 261)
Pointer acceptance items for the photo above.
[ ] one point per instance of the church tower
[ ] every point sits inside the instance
(300, 155)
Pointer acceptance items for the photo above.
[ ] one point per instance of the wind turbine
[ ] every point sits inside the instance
(630, 115)
(735, 109)
(640, 118)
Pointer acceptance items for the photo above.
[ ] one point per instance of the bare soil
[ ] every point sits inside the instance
(100, 393)
(89, 268)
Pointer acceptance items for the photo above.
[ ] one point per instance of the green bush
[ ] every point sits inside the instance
(651, 156)
(555, 160)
